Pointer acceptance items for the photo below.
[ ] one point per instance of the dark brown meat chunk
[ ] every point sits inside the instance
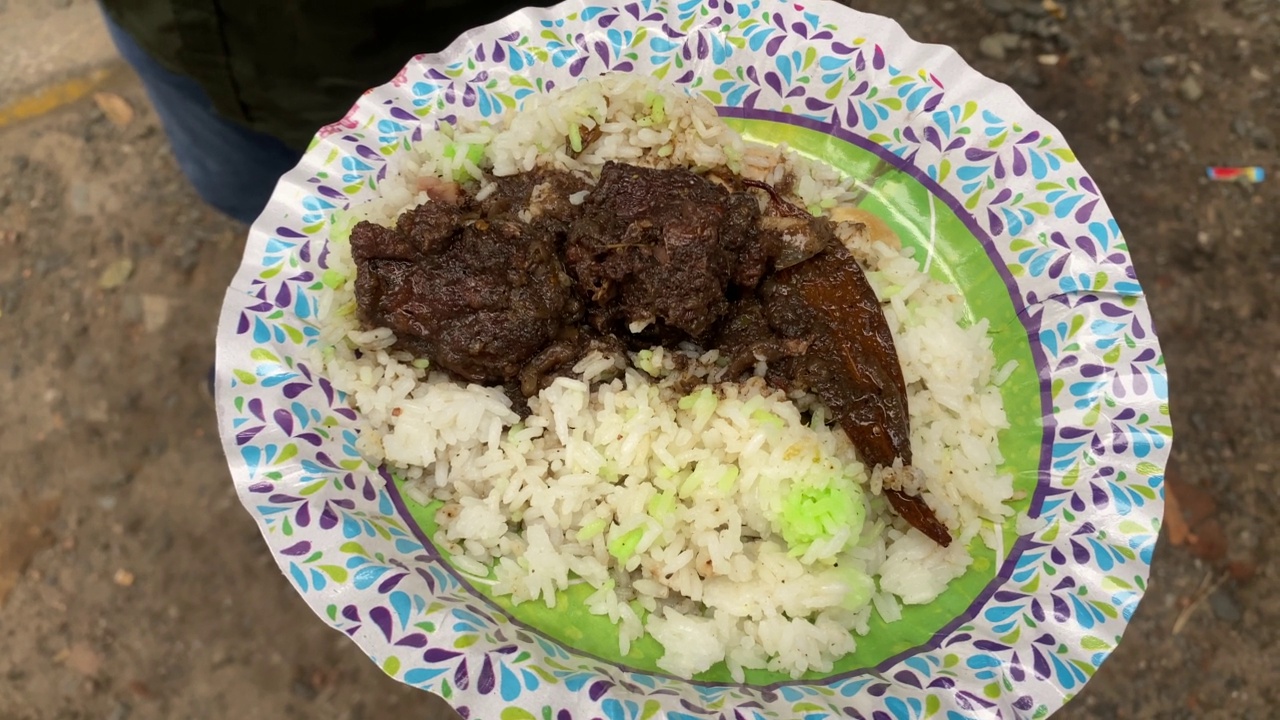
(562, 354)
(662, 247)
(425, 230)
(796, 239)
(850, 363)
(919, 515)
(754, 251)
(542, 194)
(478, 298)
(745, 338)
(479, 288)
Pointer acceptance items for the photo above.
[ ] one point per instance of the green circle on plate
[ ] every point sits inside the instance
(959, 259)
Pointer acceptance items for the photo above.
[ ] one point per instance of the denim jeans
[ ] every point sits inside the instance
(232, 168)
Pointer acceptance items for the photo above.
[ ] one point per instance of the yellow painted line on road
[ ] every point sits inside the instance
(52, 97)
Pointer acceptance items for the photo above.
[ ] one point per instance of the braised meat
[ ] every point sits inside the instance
(541, 196)
(558, 358)
(661, 248)
(746, 338)
(790, 230)
(478, 297)
(850, 363)
(819, 327)
(516, 287)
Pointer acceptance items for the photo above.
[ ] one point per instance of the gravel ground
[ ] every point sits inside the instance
(133, 585)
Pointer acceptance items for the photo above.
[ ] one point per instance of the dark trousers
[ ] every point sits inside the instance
(233, 168)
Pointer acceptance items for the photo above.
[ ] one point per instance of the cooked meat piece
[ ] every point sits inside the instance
(850, 363)
(754, 251)
(419, 232)
(745, 338)
(661, 248)
(562, 354)
(541, 368)
(788, 230)
(797, 239)
(541, 195)
(652, 257)
(479, 299)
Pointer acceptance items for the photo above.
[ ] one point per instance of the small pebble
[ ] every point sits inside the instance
(86, 363)
(1225, 607)
(155, 312)
(1242, 570)
(1046, 28)
(47, 265)
(1027, 76)
(116, 274)
(1263, 137)
(131, 309)
(998, 7)
(996, 44)
(1241, 126)
(1034, 8)
(992, 47)
(78, 198)
(304, 690)
(1155, 66)
(123, 578)
(97, 411)
(111, 480)
(1190, 89)
(10, 298)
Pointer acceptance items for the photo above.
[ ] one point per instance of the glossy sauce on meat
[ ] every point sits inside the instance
(516, 287)
(660, 249)
(480, 296)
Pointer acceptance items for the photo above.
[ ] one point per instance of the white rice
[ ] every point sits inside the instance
(673, 508)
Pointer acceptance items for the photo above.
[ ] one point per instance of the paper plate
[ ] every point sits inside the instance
(987, 191)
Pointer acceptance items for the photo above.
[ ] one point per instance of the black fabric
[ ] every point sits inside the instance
(287, 67)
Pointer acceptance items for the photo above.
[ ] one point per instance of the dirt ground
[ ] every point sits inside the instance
(133, 585)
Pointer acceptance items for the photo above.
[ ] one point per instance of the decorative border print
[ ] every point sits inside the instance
(1049, 620)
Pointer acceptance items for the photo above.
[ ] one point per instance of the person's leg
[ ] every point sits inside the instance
(233, 168)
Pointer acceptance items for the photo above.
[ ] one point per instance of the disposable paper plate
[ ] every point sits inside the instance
(958, 166)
